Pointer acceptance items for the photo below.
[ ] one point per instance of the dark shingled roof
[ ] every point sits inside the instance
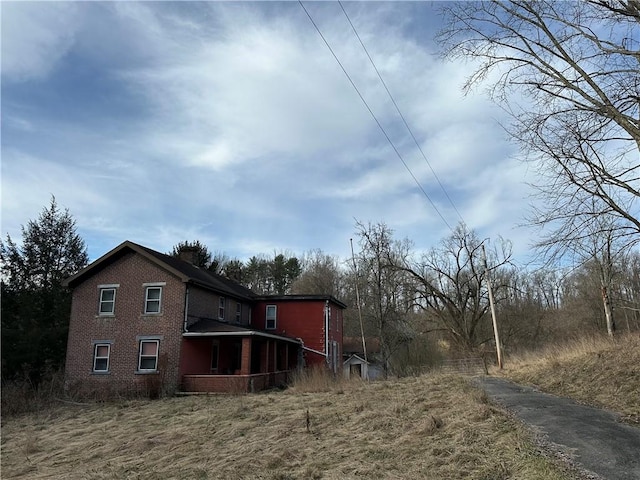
(202, 276)
(214, 326)
(186, 271)
(300, 297)
(210, 327)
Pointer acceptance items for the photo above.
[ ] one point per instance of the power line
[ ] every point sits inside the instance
(374, 117)
(399, 112)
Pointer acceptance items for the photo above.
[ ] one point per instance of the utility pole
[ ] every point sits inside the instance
(364, 343)
(493, 310)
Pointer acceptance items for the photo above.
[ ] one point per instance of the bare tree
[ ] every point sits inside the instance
(600, 241)
(452, 281)
(568, 73)
(386, 292)
(321, 274)
(627, 290)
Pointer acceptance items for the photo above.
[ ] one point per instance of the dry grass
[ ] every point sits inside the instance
(432, 427)
(317, 379)
(594, 370)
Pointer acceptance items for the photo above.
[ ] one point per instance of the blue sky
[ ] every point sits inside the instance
(232, 123)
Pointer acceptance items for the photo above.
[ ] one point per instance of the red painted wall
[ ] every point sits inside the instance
(195, 357)
(304, 319)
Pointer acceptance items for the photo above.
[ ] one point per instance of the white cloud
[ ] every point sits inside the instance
(35, 36)
(247, 134)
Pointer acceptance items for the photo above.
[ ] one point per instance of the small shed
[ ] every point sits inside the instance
(355, 366)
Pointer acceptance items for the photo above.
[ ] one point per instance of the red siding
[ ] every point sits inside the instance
(304, 319)
(195, 357)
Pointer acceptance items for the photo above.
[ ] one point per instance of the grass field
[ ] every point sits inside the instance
(434, 427)
(597, 371)
(431, 427)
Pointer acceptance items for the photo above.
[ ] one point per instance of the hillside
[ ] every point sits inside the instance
(431, 427)
(593, 370)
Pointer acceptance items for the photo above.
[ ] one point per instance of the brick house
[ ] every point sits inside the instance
(141, 319)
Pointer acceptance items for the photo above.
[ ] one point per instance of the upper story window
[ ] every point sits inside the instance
(238, 312)
(271, 315)
(101, 353)
(223, 302)
(153, 300)
(107, 304)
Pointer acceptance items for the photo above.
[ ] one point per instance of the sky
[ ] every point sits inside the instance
(232, 123)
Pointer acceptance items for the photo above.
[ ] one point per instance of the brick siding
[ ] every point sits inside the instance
(125, 326)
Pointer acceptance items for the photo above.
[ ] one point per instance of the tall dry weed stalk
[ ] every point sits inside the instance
(318, 379)
(23, 396)
(571, 347)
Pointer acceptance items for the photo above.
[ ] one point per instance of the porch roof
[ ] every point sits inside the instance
(213, 328)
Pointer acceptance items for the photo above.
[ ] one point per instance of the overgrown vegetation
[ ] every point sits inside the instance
(20, 395)
(429, 427)
(595, 369)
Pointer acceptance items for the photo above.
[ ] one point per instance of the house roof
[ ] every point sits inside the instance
(354, 356)
(186, 271)
(298, 298)
(213, 328)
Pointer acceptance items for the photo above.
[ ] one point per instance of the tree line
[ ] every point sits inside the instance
(416, 305)
(567, 75)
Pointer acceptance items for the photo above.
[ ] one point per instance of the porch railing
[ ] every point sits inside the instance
(234, 383)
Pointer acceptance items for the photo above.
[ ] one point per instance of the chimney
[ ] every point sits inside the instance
(189, 254)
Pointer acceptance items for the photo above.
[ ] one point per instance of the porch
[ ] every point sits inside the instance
(223, 358)
(234, 383)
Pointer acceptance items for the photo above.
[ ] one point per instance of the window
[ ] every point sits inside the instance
(101, 353)
(152, 300)
(271, 317)
(107, 301)
(215, 351)
(222, 304)
(238, 312)
(148, 355)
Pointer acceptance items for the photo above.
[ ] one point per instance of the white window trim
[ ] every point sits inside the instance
(157, 355)
(101, 343)
(222, 304)
(275, 317)
(147, 300)
(101, 290)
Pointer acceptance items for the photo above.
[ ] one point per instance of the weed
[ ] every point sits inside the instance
(372, 430)
(587, 369)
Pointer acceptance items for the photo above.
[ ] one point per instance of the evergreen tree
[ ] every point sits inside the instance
(35, 305)
(196, 252)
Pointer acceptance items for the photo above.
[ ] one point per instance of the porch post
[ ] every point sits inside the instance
(286, 356)
(266, 356)
(245, 366)
(275, 355)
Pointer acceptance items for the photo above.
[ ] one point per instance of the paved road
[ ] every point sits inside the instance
(590, 437)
